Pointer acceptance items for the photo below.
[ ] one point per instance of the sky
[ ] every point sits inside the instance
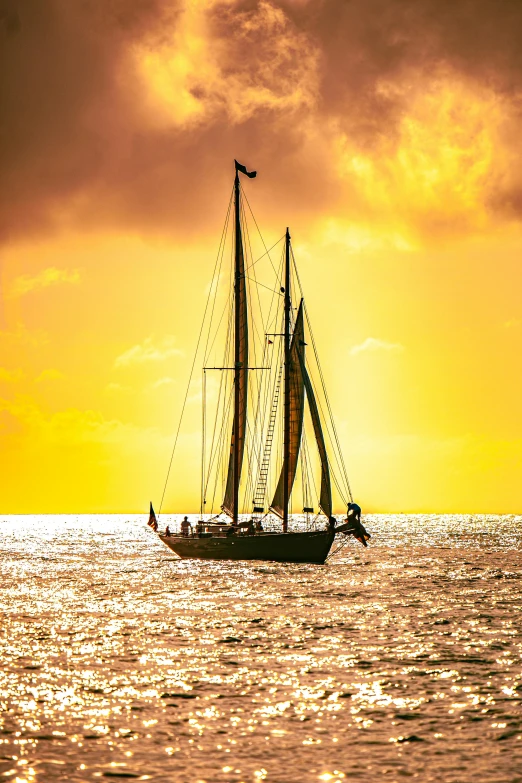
(385, 133)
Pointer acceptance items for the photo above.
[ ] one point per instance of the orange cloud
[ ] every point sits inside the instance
(346, 110)
(149, 351)
(11, 376)
(24, 284)
(202, 73)
(371, 344)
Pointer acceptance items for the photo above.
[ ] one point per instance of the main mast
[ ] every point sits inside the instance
(286, 427)
(237, 443)
(237, 347)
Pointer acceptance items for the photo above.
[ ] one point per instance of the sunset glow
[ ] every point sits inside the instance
(396, 165)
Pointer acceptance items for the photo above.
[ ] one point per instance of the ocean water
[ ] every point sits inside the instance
(120, 661)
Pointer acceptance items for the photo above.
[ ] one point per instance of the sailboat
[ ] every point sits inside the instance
(269, 470)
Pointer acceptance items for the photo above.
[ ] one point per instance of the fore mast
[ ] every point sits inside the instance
(286, 420)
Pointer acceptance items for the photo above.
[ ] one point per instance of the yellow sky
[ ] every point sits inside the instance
(404, 225)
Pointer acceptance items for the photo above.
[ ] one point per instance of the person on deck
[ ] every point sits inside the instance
(185, 527)
(354, 511)
(332, 523)
(354, 518)
(167, 531)
(259, 526)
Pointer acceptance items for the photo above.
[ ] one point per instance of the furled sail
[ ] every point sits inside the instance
(241, 374)
(296, 411)
(325, 500)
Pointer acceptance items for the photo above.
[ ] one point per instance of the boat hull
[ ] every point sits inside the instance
(307, 547)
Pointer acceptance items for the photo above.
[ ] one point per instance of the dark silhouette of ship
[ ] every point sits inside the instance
(228, 535)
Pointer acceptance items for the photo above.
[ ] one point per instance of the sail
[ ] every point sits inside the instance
(296, 411)
(325, 500)
(241, 374)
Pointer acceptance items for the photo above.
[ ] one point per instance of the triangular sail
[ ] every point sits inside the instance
(296, 411)
(325, 500)
(241, 374)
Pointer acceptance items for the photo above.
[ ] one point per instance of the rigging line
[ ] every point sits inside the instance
(191, 371)
(220, 451)
(222, 386)
(305, 469)
(248, 286)
(330, 440)
(224, 450)
(247, 232)
(221, 395)
(280, 422)
(226, 424)
(316, 493)
(227, 220)
(338, 485)
(265, 442)
(225, 308)
(276, 304)
(254, 428)
(263, 286)
(264, 254)
(258, 380)
(273, 475)
(340, 456)
(222, 381)
(227, 301)
(250, 457)
(203, 422)
(265, 419)
(338, 548)
(255, 388)
(303, 479)
(259, 232)
(274, 353)
(257, 419)
(257, 425)
(335, 440)
(276, 296)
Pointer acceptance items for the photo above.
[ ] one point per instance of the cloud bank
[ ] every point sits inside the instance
(24, 284)
(149, 351)
(372, 344)
(123, 115)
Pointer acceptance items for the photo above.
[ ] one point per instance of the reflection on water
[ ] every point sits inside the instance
(121, 661)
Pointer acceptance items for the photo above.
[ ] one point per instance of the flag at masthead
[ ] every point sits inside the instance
(243, 170)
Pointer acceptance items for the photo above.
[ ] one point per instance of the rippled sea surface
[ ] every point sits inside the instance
(120, 661)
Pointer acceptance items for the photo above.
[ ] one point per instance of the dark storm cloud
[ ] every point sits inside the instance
(62, 108)
(366, 42)
(78, 141)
